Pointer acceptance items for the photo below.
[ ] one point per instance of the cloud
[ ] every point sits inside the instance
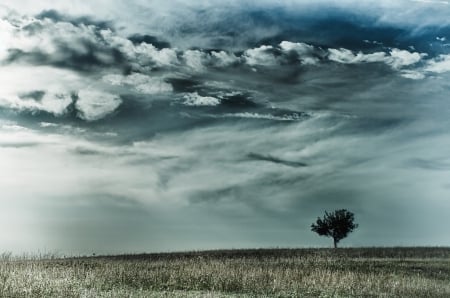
(54, 103)
(434, 66)
(292, 117)
(142, 56)
(51, 90)
(148, 39)
(412, 74)
(260, 56)
(223, 59)
(307, 54)
(432, 1)
(434, 165)
(440, 65)
(141, 83)
(400, 58)
(62, 44)
(57, 16)
(396, 58)
(348, 57)
(94, 105)
(270, 158)
(194, 99)
(194, 59)
(23, 88)
(211, 24)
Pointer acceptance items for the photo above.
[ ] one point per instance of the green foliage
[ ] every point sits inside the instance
(336, 225)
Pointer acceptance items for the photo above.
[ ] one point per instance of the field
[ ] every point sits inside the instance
(349, 272)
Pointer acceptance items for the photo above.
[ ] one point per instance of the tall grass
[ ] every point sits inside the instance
(370, 272)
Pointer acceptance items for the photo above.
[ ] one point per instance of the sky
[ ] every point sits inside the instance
(148, 126)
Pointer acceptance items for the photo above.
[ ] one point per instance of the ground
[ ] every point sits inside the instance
(346, 272)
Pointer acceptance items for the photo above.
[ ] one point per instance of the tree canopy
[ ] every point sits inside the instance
(337, 225)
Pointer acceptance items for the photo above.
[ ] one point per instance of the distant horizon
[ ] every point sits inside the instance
(56, 255)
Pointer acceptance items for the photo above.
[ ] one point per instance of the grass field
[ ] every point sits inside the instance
(350, 272)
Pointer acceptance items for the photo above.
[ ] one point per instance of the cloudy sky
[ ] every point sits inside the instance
(132, 126)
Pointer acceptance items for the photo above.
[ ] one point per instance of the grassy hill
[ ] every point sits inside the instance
(346, 272)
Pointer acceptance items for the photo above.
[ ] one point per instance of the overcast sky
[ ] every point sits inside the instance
(133, 126)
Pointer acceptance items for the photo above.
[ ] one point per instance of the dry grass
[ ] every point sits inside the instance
(372, 272)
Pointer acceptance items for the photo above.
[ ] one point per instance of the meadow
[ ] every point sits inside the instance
(344, 272)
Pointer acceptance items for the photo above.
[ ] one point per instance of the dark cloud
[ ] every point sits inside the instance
(86, 151)
(153, 40)
(19, 145)
(426, 164)
(270, 158)
(34, 28)
(238, 101)
(57, 16)
(91, 58)
(184, 84)
(35, 95)
(328, 27)
(216, 196)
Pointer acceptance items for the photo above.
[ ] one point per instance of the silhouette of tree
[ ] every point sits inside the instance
(337, 224)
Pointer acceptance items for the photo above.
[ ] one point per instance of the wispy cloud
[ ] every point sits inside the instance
(431, 1)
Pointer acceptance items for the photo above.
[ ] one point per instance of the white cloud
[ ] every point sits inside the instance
(48, 124)
(57, 86)
(439, 65)
(154, 86)
(94, 105)
(348, 57)
(400, 58)
(198, 60)
(260, 56)
(146, 57)
(194, 99)
(292, 117)
(48, 37)
(412, 74)
(51, 36)
(142, 83)
(165, 57)
(142, 55)
(396, 58)
(54, 103)
(22, 79)
(305, 51)
(432, 1)
(223, 59)
(74, 7)
(195, 59)
(133, 15)
(6, 37)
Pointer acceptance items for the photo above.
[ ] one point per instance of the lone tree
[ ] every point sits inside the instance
(337, 224)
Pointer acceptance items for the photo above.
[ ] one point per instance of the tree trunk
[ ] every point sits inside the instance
(335, 243)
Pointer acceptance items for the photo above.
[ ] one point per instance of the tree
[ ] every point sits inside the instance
(337, 225)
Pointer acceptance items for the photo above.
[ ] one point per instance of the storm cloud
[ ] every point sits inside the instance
(208, 125)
